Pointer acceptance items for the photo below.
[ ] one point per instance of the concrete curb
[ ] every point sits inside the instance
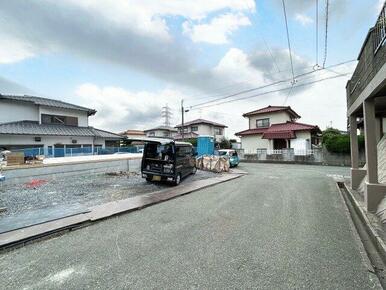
(377, 240)
(23, 236)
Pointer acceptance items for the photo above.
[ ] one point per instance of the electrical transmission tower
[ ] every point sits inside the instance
(166, 114)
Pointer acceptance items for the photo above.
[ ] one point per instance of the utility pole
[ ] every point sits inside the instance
(183, 111)
(182, 120)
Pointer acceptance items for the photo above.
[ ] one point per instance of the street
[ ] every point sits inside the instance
(280, 227)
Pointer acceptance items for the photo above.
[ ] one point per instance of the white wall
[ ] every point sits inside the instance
(81, 115)
(206, 129)
(251, 143)
(46, 141)
(274, 118)
(14, 111)
(160, 133)
(302, 143)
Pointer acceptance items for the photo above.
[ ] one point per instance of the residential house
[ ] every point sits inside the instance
(200, 127)
(28, 122)
(366, 103)
(133, 134)
(161, 131)
(275, 128)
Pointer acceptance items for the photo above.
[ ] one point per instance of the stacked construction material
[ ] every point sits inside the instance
(213, 163)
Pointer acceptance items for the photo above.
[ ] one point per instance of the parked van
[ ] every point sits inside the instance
(167, 160)
(232, 156)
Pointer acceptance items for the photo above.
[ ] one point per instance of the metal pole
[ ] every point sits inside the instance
(182, 117)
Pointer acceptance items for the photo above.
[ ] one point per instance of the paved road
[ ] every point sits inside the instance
(280, 227)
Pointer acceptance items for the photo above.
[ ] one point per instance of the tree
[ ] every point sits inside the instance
(336, 142)
(225, 144)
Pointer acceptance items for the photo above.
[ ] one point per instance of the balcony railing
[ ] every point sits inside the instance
(371, 59)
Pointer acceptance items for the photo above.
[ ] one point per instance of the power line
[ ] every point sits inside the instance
(240, 93)
(268, 85)
(317, 34)
(326, 34)
(288, 95)
(275, 91)
(288, 40)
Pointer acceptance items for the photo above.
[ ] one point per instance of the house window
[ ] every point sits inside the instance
(194, 128)
(151, 133)
(217, 131)
(185, 130)
(166, 134)
(262, 123)
(59, 120)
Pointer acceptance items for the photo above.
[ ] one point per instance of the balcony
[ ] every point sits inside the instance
(371, 59)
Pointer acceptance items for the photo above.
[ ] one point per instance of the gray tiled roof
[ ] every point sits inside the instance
(166, 128)
(34, 128)
(202, 121)
(46, 102)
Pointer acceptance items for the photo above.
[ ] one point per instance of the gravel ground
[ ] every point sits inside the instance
(85, 190)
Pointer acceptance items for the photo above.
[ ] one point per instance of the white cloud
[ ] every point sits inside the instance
(119, 109)
(15, 50)
(303, 19)
(218, 30)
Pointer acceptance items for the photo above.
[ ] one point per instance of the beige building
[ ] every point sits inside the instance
(366, 101)
(201, 127)
(275, 128)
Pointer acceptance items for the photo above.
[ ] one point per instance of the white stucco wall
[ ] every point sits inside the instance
(302, 141)
(81, 115)
(12, 112)
(251, 143)
(274, 118)
(160, 133)
(48, 140)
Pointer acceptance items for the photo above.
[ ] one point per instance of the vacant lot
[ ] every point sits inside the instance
(52, 198)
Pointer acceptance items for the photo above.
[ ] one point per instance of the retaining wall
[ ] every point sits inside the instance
(322, 157)
(25, 174)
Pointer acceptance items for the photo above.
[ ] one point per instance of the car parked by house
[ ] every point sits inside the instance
(232, 155)
(167, 160)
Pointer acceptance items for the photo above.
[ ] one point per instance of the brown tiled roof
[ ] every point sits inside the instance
(251, 132)
(279, 131)
(132, 132)
(273, 109)
(202, 121)
(287, 130)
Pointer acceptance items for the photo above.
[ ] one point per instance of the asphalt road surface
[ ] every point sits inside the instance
(280, 227)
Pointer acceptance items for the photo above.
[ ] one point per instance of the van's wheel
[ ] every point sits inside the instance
(149, 179)
(177, 181)
(194, 170)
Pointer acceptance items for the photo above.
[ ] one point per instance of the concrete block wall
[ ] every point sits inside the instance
(20, 175)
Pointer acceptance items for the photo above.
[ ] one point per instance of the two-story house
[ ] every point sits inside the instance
(28, 122)
(161, 131)
(366, 110)
(200, 127)
(275, 128)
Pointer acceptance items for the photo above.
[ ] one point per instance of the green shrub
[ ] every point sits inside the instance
(336, 142)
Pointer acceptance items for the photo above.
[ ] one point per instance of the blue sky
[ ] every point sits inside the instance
(128, 58)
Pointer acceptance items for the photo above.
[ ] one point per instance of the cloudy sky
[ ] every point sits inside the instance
(128, 58)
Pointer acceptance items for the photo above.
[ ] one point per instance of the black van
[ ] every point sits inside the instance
(167, 160)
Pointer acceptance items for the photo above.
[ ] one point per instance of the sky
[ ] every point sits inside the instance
(129, 58)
